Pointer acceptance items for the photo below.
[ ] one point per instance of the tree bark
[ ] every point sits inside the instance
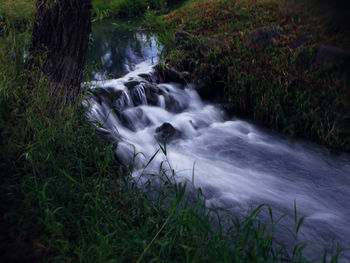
(60, 37)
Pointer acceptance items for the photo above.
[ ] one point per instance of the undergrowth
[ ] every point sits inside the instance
(64, 198)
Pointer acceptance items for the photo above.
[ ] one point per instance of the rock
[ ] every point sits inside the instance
(156, 75)
(151, 94)
(166, 133)
(131, 84)
(145, 76)
(106, 94)
(138, 95)
(174, 105)
(121, 102)
(181, 35)
(332, 54)
(134, 119)
(170, 74)
(262, 38)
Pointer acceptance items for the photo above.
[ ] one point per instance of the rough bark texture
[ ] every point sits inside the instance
(61, 31)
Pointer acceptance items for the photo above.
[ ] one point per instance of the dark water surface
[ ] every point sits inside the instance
(117, 47)
(238, 165)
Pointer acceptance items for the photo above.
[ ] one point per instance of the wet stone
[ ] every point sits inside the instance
(121, 102)
(134, 119)
(145, 76)
(152, 93)
(138, 95)
(173, 105)
(167, 133)
(106, 94)
(131, 84)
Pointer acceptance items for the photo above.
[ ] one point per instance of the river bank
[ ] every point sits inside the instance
(280, 63)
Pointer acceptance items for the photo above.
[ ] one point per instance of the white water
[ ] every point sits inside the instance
(238, 165)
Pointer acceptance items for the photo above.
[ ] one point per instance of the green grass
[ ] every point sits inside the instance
(16, 13)
(64, 198)
(125, 8)
(281, 87)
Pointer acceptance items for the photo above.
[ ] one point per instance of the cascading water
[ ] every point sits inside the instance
(238, 165)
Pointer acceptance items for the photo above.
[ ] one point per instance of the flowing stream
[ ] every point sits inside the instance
(237, 164)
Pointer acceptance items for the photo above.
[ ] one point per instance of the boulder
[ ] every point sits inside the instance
(167, 133)
(332, 54)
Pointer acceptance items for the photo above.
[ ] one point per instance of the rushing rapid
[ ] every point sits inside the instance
(237, 164)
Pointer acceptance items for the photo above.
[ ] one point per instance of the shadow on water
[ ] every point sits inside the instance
(116, 48)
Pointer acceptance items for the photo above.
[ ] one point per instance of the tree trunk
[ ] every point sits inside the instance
(61, 36)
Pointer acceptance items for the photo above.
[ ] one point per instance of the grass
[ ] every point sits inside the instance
(17, 10)
(126, 8)
(280, 87)
(16, 13)
(64, 198)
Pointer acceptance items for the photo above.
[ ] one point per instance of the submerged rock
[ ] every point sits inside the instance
(134, 119)
(174, 105)
(121, 102)
(167, 133)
